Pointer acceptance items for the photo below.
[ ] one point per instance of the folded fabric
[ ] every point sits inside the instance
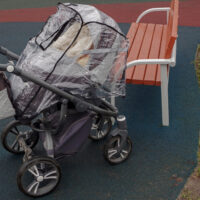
(83, 42)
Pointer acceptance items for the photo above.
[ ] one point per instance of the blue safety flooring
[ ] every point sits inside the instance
(159, 153)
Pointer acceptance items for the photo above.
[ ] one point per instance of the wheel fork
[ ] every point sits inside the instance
(27, 150)
(122, 131)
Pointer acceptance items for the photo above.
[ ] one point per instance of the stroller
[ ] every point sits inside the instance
(59, 91)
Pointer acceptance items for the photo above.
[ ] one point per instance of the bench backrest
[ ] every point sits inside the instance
(172, 27)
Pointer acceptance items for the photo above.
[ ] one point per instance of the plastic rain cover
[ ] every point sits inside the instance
(6, 108)
(80, 49)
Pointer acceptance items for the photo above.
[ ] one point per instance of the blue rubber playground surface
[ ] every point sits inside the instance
(159, 153)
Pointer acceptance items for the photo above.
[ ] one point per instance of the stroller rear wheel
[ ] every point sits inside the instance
(100, 128)
(38, 176)
(11, 133)
(111, 152)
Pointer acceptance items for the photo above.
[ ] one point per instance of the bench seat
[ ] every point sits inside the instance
(152, 52)
(147, 41)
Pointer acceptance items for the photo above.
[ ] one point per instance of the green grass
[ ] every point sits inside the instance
(187, 195)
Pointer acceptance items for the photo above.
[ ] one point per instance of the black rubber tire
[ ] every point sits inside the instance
(110, 144)
(7, 130)
(109, 127)
(25, 166)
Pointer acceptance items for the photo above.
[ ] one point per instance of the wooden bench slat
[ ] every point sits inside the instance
(172, 28)
(161, 55)
(135, 49)
(131, 34)
(151, 70)
(139, 71)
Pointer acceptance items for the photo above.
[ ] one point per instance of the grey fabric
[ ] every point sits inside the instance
(73, 134)
(6, 108)
(61, 63)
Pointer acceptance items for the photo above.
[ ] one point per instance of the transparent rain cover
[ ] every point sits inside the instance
(80, 50)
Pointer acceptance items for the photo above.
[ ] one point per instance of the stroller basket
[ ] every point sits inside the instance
(73, 134)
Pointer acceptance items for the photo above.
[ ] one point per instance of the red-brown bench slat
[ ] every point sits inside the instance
(139, 72)
(161, 55)
(172, 28)
(151, 70)
(135, 50)
(131, 33)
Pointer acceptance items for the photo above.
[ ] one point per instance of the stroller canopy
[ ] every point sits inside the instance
(80, 50)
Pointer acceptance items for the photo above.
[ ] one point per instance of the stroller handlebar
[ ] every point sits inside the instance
(8, 53)
(9, 67)
(3, 67)
(111, 112)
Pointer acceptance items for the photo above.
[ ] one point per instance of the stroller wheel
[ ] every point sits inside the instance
(112, 155)
(39, 176)
(10, 135)
(100, 128)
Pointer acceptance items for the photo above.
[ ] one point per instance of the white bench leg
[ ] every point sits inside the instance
(164, 95)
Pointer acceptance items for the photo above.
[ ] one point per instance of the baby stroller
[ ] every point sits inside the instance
(58, 91)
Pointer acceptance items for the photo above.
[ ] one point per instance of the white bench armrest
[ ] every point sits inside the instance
(153, 10)
(171, 61)
(148, 61)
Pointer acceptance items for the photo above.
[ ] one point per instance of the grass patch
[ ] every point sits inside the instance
(187, 195)
(191, 190)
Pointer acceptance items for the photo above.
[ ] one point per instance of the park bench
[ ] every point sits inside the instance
(152, 52)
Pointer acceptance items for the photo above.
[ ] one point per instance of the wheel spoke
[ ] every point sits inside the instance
(94, 126)
(50, 177)
(32, 185)
(14, 144)
(34, 171)
(15, 133)
(42, 166)
(122, 156)
(16, 129)
(105, 122)
(102, 133)
(124, 151)
(36, 187)
(111, 150)
(50, 173)
(112, 153)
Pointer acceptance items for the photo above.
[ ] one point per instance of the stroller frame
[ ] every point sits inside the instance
(108, 110)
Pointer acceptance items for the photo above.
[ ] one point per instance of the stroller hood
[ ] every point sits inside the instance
(80, 50)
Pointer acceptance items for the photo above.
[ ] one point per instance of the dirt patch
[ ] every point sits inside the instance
(191, 190)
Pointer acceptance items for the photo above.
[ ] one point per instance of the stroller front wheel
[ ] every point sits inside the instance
(39, 176)
(11, 132)
(111, 152)
(100, 128)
